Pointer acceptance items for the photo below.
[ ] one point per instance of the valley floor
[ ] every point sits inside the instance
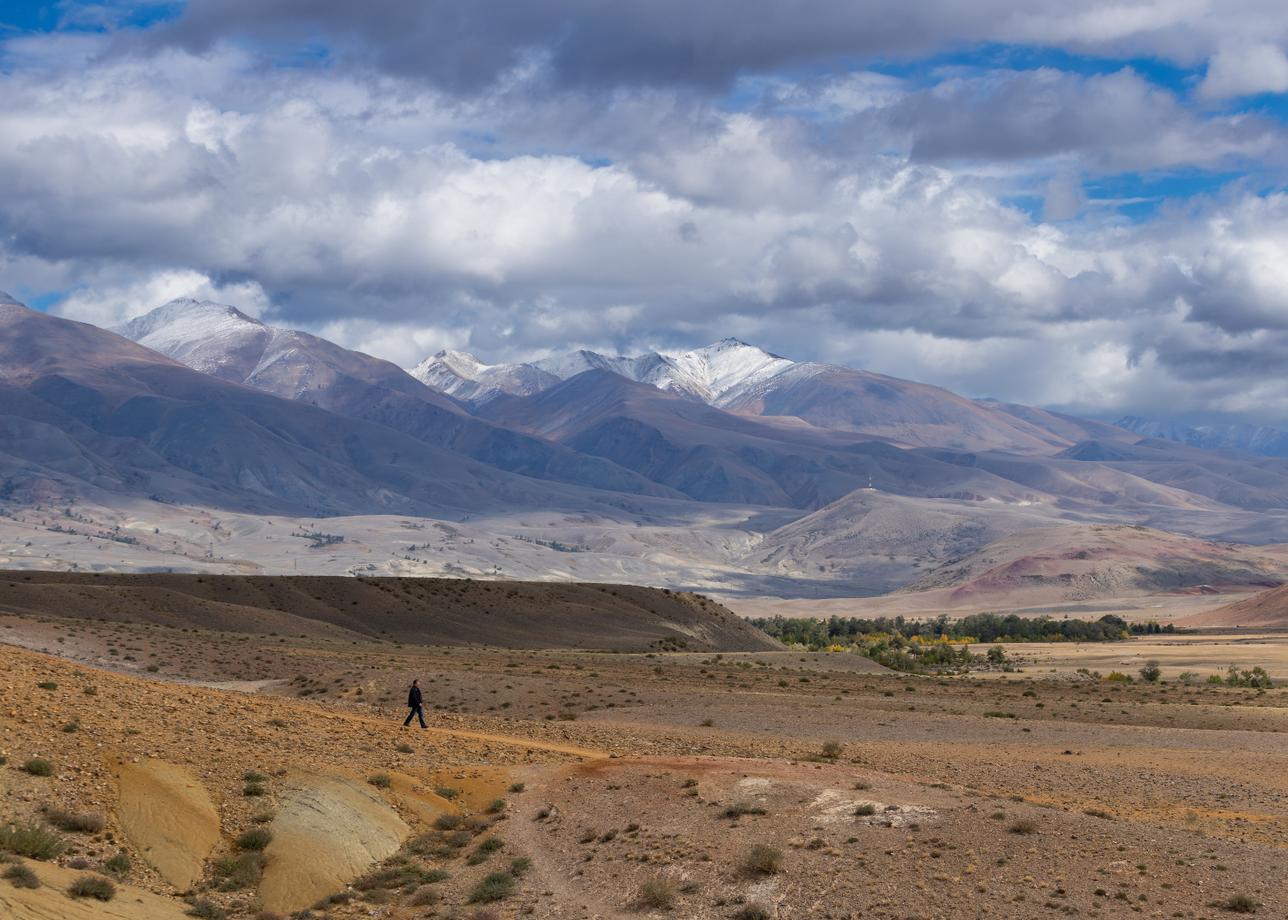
(594, 784)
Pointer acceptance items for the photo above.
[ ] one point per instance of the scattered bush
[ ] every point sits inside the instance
(496, 807)
(405, 748)
(657, 893)
(447, 792)
(516, 788)
(832, 749)
(753, 912)
(495, 886)
(92, 886)
(39, 766)
(241, 871)
(254, 776)
(31, 840)
(21, 877)
(1151, 672)
(254, 839)
(118, 865)
(1023, 826)
(447, 822)
(866, 810)
(763, 859)
(47, 685)
(380, 780)
(738, 809)
(88, 823)
(1239, 904)
(425, 896)
(520, 865)
(207, 910)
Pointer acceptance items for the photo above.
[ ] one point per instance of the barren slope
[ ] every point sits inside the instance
(415, 610)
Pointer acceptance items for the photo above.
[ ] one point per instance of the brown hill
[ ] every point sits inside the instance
(425, 611)
(1079, 562)
(1266, 609)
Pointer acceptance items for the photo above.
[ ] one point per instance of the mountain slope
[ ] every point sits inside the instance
(1077, 562)
(82, 405)
(1255, 439)
(735, 376)
(712, 455)
(220, 340)
(1267, 609)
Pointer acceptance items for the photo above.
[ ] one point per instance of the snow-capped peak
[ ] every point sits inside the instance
(712, 373)
(213, 338)
(461, 363)
(729, 364)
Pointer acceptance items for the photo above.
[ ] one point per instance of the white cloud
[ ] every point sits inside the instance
(1244, 71)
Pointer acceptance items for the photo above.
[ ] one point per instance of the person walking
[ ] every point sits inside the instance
(416, 704)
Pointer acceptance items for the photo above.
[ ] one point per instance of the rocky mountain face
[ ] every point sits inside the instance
(728, 463)
(1255, 439)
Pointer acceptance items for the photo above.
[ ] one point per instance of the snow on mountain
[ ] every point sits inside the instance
(209, 337)
(8, 300)
(468, 379)
(710, 374)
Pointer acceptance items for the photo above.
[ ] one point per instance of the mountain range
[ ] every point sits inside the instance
(724, 468)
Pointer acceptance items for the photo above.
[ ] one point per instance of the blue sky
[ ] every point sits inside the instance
(1077, 204)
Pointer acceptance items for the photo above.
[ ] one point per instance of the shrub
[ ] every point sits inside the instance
(253, 790)
(1118, 677)
(1238, 904)
(21, 877)
(738, 809)
(254, 776)
(405, 748)
(447, 822)
(1151, 672)
(832, 749)
(447, 792)
(39, 766)
(495, 886)
(118, 865)
(516, 788)
(88, 823)
(866, 810)
(207, 910)
(380, 780)
(657, 893)
(763, 859)
(520, 865)
(47, 685)
(241, 871)
(31, 840)
(425, 896)
(92, 886)
(496, 807)
(254, 839)
(1023, 826)
(753, 912)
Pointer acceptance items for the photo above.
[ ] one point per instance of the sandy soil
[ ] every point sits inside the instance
(590, 779)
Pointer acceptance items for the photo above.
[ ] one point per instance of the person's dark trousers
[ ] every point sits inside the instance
(416, 712)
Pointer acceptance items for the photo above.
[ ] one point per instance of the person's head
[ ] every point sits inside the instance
(415, 683)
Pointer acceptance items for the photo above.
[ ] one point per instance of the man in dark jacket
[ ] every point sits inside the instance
(415, 704)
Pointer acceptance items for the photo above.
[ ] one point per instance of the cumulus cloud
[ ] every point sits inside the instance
(630, 176)
(1246, 70)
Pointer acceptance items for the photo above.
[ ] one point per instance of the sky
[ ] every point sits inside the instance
(1069, 203)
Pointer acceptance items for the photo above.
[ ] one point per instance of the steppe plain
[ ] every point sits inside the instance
(644, 783)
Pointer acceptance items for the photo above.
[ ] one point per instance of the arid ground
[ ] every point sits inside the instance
(237, 773)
